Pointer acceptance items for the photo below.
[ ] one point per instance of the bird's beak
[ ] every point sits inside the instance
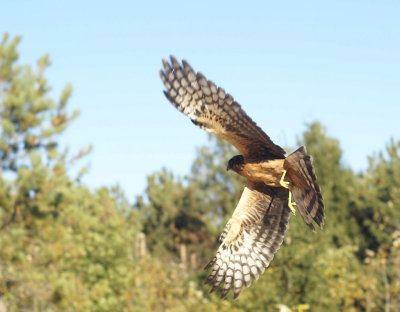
(228, 168)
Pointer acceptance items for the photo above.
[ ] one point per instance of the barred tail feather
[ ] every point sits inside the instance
(302, 183)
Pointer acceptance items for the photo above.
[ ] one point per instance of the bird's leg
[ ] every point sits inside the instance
(291, 203)
(282, 181)
(285, 184)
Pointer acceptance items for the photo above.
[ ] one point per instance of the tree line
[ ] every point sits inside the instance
(65, 247)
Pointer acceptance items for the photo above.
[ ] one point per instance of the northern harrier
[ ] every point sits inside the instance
(255, 231)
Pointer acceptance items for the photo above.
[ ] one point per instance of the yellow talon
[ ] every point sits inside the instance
(291, 204)
(285, 184)
(282, 181)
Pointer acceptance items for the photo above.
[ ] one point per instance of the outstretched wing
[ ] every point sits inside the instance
(250, 239)
(210, 108)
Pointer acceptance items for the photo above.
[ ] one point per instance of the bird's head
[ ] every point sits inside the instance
(235, 163)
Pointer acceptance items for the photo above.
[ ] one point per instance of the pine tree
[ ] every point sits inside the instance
(30, 118)
(380, 219)
(62, 246)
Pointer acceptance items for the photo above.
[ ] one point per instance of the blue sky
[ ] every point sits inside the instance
(286, 62)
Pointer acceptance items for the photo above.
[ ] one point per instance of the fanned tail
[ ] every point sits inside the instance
(303, 185)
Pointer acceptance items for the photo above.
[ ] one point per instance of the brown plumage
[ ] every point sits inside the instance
(255, 231)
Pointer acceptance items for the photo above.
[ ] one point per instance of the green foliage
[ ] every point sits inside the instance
(30, 118)
(380, 196)
(324, 270)
(220, 189)
(64, 247)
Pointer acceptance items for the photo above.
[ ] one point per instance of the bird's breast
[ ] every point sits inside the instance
(268, 172)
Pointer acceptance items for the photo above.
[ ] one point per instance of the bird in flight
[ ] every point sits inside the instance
(276, 184)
